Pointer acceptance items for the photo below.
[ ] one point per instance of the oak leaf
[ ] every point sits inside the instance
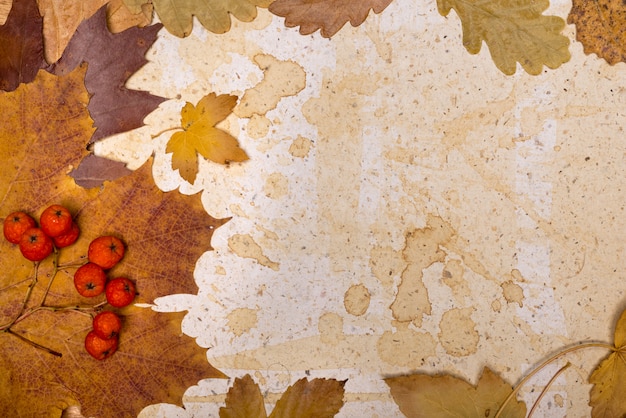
(47, 126)
(608, 393)
(514, 31)
(327, 15)
(443, 395)
(112, 59)
(21, 45)
(200, 136)
(318, 398)
(601, 28)
(214, 15)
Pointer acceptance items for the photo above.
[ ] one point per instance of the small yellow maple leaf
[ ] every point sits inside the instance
(200, 136)
(608, 394)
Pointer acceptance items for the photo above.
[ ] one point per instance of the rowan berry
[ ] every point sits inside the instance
(90, 280)
(35, 245)
(120, 292)
(105, 251)
(107, 325)
(15, 225)
(55, 220)
(100, 348)
(68, 238)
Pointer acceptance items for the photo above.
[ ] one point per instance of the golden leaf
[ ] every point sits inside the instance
(608, 394)
(200, 136)
(441, 396)
(244, 400)
(514, 31)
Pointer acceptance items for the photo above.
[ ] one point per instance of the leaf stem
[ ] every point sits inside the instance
(174, 128)
(34, 344)
(545, 389)
(549, 360)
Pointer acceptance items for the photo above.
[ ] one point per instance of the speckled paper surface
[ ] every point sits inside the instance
(406, 207)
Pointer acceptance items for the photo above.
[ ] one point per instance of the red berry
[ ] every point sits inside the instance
(15, 225)
(120, 292)
(100, 348)
(55, 220)
(68, 238)
(105, 251)
(107, 325)
(90, 280)
(35, 245)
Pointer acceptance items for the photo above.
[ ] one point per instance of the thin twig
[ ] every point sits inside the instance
(545, 389)
(165, 130)
(34, 344)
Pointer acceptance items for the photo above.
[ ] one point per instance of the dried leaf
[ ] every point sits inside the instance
(93, 171)
(327, 15)
(608, 394)
(5, 8)
(244, 400)
(601, 28)
(112, 59)
(21, 45)
(200, 136)
(514, 31)
(421, 395)
(47, 127)
(177, 15)
(318, 398)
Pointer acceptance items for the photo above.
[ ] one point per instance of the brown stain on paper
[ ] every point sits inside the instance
(242, 320)
(245, 246)
(406, 347)
(452, 276)
(458, 334)
(330, 327)
(356, 300)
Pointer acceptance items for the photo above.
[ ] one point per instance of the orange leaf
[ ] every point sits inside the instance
(200, 136)
(327, 15)
(244, 400)
(47, 127)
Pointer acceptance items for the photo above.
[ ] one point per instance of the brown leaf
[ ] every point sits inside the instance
(601, 28)
(327, 15)
(48, 124)
(112, 59)
(244, 400)
(21, 45)
(200, 136)
(177, 15)
(93, 171)
(318, 398)
(421, 395)
(608, 393)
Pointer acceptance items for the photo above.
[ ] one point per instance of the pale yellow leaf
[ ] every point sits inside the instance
(446, 396)
(514, 30)
(5, 8)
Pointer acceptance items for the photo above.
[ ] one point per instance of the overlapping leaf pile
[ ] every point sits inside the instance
(47, 125)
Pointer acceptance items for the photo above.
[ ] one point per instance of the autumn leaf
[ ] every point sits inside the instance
(177, 15)
(62, 17)
(601, 28)
(327, 15)
(443, 395)
(94, 170)
(21, 45)
(318, 398)
(48, 124)
(608, 393)
(200, 136)
(112, 59)
(514, 31)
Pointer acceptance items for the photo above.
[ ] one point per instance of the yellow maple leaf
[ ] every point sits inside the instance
(200, 136)
(608, 394)
(514, 31)
(214, 15)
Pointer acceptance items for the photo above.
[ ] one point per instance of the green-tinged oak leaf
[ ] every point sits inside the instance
(200, 136)
(443, 395)
(601, 28)
(608, 393)
(214, 15)
(514, 30)
(21, 45)
(244, 400)
(62, 17)
(112, 59)
(47, 126)
(327, 15)
(318, 398)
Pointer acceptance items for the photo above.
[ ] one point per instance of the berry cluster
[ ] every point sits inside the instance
(57, 229)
